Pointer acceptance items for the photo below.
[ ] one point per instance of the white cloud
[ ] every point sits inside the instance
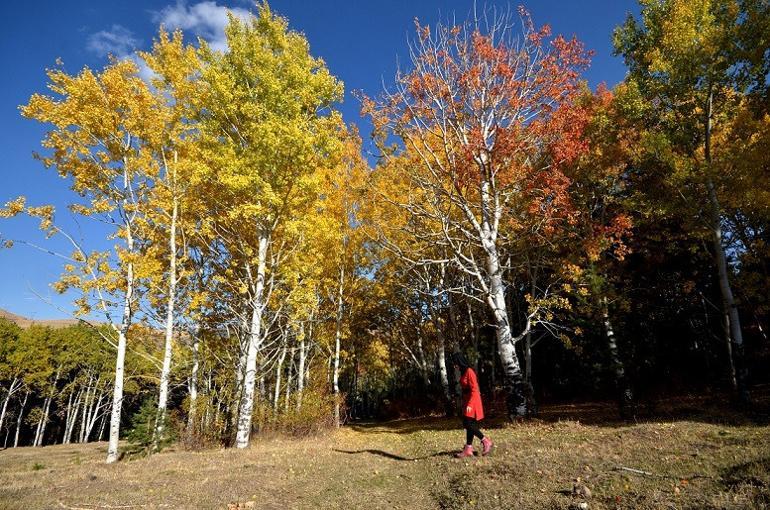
(118, 41)
(206, 19)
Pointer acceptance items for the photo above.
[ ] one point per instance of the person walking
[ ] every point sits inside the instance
(473, 410)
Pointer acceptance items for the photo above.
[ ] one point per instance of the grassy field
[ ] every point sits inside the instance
(686, 459)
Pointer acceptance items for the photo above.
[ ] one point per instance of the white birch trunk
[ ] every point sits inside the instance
(103, 427)
(86, 416)
(626, 396)
(72, 418)
(193, 384)
(40, 432)
(93, 415)
(337, 340)
(15, 385)
(19, 419)
(730, 308)
(278, 372)
(47, 407)
(67, 418)
(301, 371)
(160, 418)
(125, 323)
(517, 404)
(120, 360)
(289, 378)
(255, 337)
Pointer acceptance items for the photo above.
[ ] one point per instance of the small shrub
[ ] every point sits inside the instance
(37, 466)
(314, 415)
(142, 433)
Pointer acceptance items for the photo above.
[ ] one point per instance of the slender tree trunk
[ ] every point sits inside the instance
(301, 370)
(422, 362)
(43, 422)
(120, 359)
(278, 372)
(443, 372)
(72, 418)
(625, 394)
(93, 414)
(441, 352)
(15, 385)
(289, 377)
(19, 419)
(86, 416)
(455, 336)
(247, 401)
(728, 299)
(117, 390)
(165, 374)
(67, 417)
(38, 427)
(103, 426)
(530, 387)
(193, 384)
(474, 327)
(47, 407)
(337, 340)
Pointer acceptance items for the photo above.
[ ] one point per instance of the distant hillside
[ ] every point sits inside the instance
(24, 322)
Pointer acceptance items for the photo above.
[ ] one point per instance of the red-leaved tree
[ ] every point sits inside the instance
(485, 120)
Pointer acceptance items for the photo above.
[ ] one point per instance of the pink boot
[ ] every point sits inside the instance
(486, 444)
(467, 452)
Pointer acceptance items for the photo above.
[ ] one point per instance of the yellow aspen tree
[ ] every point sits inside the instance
(267, 122)
(99, 122)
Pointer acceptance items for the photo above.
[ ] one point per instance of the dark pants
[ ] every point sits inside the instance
(471, 429)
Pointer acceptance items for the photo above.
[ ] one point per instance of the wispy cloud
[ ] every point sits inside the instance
(206, 19)
(118, 41)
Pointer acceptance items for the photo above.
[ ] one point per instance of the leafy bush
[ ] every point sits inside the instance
(315, 414)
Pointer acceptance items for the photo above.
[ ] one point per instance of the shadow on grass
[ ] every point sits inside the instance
(408, 425)
(755, 472)
(393, 456)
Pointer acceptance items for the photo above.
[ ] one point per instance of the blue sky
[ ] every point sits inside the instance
(359, 40)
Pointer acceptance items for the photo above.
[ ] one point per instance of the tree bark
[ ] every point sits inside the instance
(19, 419)
(72, 418)
(255, 336)
(729, 306)
(43, 422)
(625, 394)
(278, 373)
(513, 378)
(193, 384)
(443, 372)
(301, 371)
(120, 359)
(15, 385)
(160, 418)
(289, 377)
(337, 340)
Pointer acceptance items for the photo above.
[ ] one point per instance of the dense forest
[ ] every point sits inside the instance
(264, 270)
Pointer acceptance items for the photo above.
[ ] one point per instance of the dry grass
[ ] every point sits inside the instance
(695, 463)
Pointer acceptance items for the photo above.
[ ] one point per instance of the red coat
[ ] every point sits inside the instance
(471, 395)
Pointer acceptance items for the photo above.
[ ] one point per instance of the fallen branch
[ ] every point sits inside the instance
(637, 471)
(647, 473)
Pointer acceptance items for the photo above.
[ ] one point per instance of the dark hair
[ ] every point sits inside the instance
(459, 359)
